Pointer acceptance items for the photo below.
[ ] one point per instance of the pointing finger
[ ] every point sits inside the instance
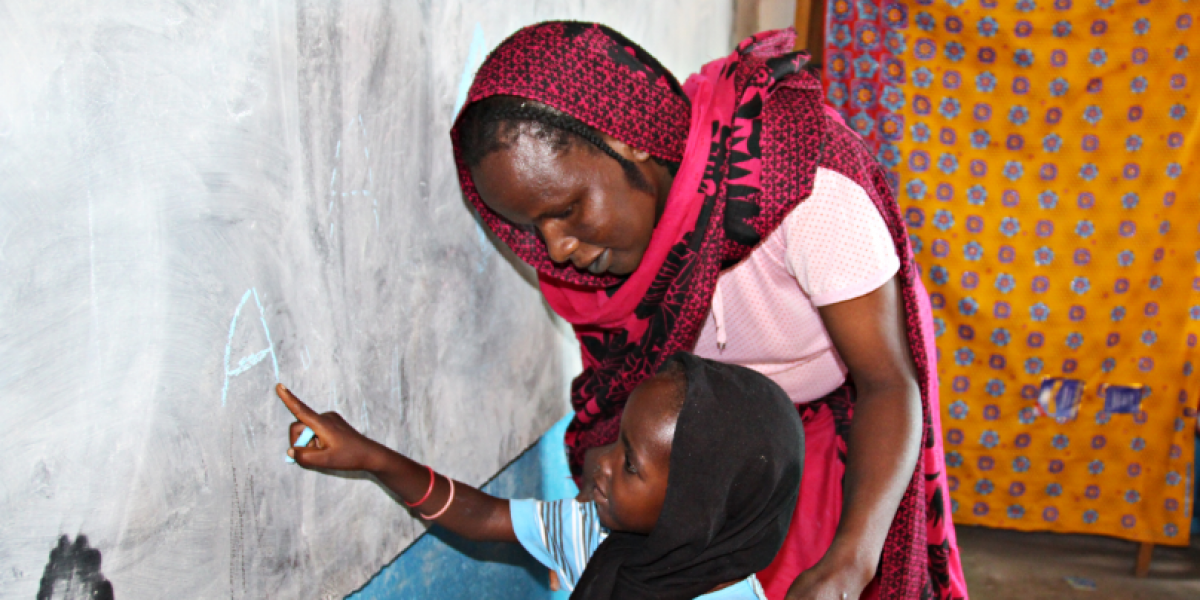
(303, 413)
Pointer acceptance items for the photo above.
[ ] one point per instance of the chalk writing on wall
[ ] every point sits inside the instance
(356, 185)
(246, 363)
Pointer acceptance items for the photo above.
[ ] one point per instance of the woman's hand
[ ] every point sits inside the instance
(870, 334)
(829, 581)
(336, 446)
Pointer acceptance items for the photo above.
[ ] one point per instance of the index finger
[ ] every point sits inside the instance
(303, 413)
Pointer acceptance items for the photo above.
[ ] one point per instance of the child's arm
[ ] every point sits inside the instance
(470, 513)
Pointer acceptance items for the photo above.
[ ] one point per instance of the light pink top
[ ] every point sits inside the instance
(833, 247)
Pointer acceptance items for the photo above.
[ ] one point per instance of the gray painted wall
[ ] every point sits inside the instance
(201, 198)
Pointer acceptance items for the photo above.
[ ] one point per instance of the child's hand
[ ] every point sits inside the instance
(336, 446)
(469, 512)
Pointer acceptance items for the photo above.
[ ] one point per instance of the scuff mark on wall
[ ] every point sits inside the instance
(73, 573)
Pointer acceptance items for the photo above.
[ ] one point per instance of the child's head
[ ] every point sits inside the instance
(700, 486)
(628, 478)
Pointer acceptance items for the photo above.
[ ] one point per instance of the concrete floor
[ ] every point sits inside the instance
(1004, 565)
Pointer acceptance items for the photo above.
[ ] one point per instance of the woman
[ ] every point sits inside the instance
(634, 197)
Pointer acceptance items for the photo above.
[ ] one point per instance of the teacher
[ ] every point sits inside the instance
(736, 217)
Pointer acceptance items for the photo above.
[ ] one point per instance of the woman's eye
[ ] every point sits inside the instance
(567, 212)
(629, 468)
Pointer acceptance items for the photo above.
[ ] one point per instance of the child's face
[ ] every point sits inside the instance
(628, 479)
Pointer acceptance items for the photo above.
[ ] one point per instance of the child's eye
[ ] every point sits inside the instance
(566, 212)
(629, 468)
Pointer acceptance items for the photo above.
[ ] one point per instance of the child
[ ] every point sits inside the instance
(693, 499)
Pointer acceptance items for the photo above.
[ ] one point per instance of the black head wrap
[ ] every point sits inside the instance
(735, 472)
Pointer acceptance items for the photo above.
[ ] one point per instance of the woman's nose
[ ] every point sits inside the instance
(558, 245)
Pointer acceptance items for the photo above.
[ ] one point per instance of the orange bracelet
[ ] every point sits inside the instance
(432, 480)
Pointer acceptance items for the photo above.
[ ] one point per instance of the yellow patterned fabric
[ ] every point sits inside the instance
(1048, 170)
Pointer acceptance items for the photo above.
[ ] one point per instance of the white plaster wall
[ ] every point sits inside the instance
(200, 198)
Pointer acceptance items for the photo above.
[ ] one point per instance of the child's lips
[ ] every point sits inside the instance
(598, 494)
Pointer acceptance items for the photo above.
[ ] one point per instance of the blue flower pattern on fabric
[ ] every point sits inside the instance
(1052, 82)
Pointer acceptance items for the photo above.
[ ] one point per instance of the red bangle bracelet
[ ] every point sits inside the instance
(432, 480)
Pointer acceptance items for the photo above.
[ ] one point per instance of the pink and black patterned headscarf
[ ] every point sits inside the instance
(603, 80)
(748, 135)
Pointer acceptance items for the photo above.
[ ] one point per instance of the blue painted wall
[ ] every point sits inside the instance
(445, 566)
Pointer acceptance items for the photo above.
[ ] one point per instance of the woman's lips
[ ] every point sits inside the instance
(602, 262)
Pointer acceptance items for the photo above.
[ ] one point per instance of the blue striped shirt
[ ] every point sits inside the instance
(564, 534)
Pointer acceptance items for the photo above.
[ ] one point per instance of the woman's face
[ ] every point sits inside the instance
(578, 199)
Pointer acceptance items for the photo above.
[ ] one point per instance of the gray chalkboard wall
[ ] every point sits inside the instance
(201, 198)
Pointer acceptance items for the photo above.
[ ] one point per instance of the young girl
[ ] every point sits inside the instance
(694, 497)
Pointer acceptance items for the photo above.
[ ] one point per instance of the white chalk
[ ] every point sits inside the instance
(306, 436)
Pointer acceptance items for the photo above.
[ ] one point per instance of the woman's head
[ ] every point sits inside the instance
(566, 147)
(592, 199)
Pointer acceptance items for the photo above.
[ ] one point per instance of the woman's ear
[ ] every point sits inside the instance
(638, 155)
(624, 149)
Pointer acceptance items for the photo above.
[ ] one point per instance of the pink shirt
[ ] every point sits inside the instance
(833, 247)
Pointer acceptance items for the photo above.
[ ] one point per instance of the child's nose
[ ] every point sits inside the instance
(605, 458)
